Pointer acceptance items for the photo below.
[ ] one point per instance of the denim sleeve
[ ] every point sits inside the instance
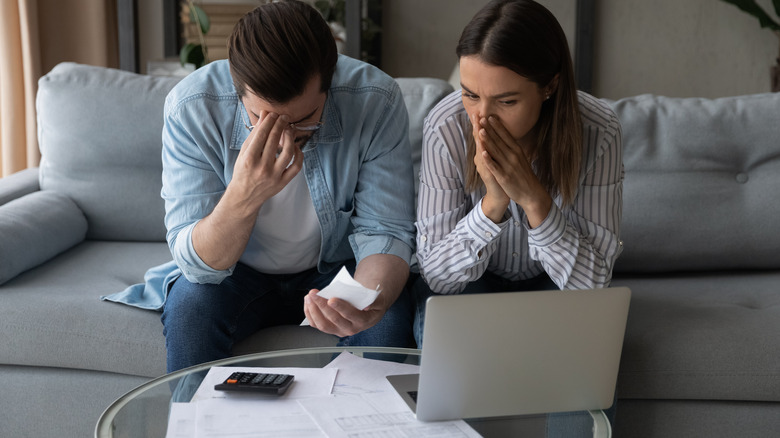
(384, 199)
(193, 182)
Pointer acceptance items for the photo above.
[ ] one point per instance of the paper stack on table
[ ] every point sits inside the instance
(213, 413)
(349, 397)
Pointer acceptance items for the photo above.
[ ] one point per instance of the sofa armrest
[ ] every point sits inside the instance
(18, 184)
(35, 228)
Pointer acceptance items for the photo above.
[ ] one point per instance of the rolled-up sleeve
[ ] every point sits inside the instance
(191, 186)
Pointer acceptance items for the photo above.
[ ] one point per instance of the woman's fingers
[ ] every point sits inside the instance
(500, 131)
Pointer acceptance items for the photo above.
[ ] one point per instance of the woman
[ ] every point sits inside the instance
(521, 174)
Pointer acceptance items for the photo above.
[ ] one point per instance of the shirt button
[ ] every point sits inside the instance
(424, 238)
(488, 234)
(515, 255)
(517, 223)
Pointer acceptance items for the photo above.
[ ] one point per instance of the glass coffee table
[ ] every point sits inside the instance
(144, 411)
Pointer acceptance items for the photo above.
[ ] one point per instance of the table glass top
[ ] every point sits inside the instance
(145, 410)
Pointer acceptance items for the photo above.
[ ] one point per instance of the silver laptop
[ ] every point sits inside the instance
(500, 354)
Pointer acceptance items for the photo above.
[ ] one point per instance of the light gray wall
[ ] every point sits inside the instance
(704, 48)
(150, 31)
(419, 36)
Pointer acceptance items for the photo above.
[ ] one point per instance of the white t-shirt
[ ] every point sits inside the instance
(287, 236)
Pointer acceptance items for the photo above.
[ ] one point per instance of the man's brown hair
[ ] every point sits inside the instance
(278, 47)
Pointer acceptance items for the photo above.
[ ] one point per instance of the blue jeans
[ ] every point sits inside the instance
(564, 424)
(202, 322)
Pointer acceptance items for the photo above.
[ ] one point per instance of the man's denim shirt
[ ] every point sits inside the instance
(358, 168)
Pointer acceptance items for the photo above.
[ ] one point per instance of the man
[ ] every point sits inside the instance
(279, 167)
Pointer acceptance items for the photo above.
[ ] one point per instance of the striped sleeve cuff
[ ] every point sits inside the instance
(551, 230)
(481, 228)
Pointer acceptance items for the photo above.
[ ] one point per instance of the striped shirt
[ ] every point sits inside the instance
(576, 245)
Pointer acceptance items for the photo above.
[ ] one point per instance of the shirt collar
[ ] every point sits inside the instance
(331, 131)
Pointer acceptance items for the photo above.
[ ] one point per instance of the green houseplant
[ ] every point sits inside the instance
(333, 12)
(196, 54)
(753, 8)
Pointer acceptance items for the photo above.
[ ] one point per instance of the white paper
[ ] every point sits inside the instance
(213, 413)
(359, 375)
(231, 417)
(345, 287)
(181, 421)
(308, 382)
(377, 414)
(241, 418)
(364, 404)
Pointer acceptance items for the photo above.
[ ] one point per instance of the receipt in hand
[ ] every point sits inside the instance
(348, 289)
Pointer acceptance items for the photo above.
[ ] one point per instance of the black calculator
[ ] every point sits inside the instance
(267, 383)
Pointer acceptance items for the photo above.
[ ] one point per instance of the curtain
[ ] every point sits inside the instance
(36, 35)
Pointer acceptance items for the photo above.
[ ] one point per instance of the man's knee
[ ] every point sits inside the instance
(188, 303)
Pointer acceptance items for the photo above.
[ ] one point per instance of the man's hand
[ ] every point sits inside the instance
(269, 159)
(259, 174)
(338, 317)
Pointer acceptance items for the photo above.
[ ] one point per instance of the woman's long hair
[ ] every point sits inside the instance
(525, 37)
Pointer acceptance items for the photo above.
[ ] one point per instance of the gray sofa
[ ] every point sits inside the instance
(87, 223)
(701, 202)
(700, 357)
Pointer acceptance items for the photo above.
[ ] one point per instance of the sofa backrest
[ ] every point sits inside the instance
(100, 136)
(702, 182)
(420, 96)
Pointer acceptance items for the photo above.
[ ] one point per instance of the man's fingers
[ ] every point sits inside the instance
(257, 139)
(337, 311)
(273, 139)
(312, 312)
(332, 316)
(324, 315)
(289, 152)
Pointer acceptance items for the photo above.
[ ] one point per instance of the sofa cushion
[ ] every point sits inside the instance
(702, 177)
(100, 135)
(18, 184)
(52, 315)
(35, 228)
(702, 336)
(420, 96)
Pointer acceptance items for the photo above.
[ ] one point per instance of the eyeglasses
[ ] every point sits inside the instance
(299, 126)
